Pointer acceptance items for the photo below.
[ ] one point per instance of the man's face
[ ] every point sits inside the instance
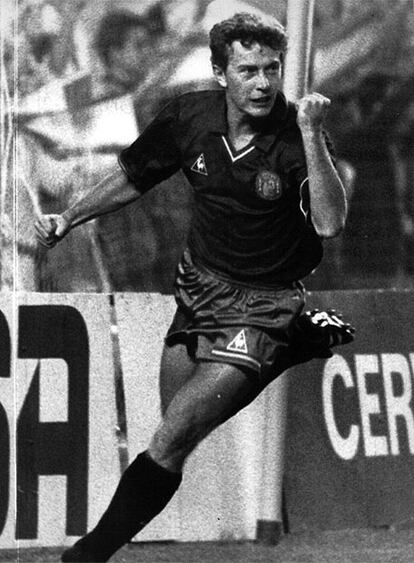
(252, 78)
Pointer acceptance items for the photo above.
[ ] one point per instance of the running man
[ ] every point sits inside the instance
(266, 193)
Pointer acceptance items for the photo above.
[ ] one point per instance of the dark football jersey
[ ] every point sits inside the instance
(251, 216)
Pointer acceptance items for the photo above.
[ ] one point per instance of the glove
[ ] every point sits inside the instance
(316, 332)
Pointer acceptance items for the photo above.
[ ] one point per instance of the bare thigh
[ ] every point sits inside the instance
(177, 367)
(211, 394)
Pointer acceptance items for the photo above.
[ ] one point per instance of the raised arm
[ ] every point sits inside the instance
(110, 194)
(326, 192)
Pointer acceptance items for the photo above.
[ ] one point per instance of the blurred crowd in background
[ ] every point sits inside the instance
(81, 78)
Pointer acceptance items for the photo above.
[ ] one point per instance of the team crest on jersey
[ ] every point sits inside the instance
(238, 344)
(200, 166)
(268, 185)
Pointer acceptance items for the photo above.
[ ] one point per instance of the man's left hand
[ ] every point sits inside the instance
(312, 110)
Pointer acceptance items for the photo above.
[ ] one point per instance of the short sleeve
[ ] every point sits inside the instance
(154, 156)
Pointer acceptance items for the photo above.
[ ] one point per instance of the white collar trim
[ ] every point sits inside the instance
(239, 156)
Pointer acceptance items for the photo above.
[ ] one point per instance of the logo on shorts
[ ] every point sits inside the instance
(238, 344)
(268, 185)
(199, 165)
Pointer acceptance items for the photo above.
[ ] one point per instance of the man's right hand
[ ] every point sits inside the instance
(50, 229)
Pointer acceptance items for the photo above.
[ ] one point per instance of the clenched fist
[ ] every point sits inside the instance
(50, 229)
(312, 109)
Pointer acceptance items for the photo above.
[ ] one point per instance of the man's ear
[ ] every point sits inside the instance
(220, 75)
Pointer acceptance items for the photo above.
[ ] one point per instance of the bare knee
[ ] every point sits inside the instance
(171, 446)
(213, 394)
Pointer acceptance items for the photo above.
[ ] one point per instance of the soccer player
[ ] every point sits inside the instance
(266, 192)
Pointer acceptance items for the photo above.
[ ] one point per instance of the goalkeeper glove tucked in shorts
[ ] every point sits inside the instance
(316, 332)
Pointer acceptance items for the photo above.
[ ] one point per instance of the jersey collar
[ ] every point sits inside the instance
(264, 140)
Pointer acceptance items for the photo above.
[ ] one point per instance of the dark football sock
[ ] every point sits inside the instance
(144, 490)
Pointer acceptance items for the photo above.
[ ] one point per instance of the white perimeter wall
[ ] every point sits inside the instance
(221, 494)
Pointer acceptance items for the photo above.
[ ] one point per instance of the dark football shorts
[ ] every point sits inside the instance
(224, 321)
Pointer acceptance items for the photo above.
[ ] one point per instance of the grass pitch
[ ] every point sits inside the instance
(344, 546)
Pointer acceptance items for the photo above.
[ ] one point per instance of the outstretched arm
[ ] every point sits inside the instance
(326, 192)
(110, 194)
